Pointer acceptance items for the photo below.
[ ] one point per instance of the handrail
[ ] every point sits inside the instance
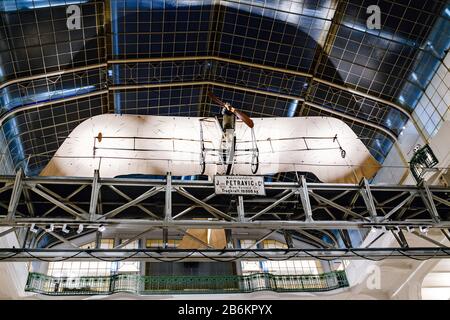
(147, 285)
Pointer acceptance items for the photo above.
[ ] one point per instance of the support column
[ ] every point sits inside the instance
(94, 197)
(240, 209)
(168, 204)
(15, 196)
(304, 196)
(368, 199)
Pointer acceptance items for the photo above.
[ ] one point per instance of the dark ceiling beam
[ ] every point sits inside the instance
(256, 91)
(52, 74)
(324, 51)
(197, 83)
(219, 59)
(264, 67)
(12, 112)
(107, 31)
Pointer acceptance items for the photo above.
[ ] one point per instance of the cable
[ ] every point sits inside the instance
(222, 260)
(418, 259)
(13, 255)
(45, 260)
(171, 260)
(109, 260)
(239, 256)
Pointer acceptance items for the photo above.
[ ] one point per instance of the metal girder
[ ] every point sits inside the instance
(158, 255)
(123, 244)
(400, 239)
(337, 206)
(288, 238)
(221, 224)
(427, 198)
(423, 236)
(194, 238)
(345, 238)
(168, 206)
(57, 203)
(4, 233)
(438, 199)
(288, 194)
(368, 199)
(446, 234)
(240, 209)
(214, 211)
(62, 200)
(15, 196)
(315, 239)
(304, 196)
(333, 207)
(61, 238)
(264, 237)
(397, 207)
(66, 199)
(94, 196)
(193, 206)
(123, 195)
(131, 203)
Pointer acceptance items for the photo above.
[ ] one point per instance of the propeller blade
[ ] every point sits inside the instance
(245, 118)
(241, 115)
(215, 99)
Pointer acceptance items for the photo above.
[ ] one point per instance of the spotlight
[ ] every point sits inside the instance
(101, 228)
(50, 228)
(423, 229)
(373, 229)
(64, 229)
(410, 229)
(397, 229)
(80, 229)
(33, 228)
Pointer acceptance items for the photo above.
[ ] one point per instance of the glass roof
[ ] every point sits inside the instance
(269, 58)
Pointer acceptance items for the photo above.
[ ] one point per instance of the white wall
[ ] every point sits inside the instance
(13, 275)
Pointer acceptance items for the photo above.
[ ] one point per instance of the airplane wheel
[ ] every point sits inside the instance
(255, 164)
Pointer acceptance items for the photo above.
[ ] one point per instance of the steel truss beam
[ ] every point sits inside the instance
(308, 210)
(380, 204)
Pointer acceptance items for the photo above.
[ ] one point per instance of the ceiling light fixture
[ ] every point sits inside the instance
(50, 228)
(423, 229)
(80, 229)
(101, 228)
(65, 229)
(33, 228)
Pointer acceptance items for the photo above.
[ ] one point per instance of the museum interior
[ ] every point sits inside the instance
(224, 149)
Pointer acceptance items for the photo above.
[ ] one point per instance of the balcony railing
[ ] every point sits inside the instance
(146, 285)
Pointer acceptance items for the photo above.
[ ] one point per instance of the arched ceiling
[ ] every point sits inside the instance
(269, 58)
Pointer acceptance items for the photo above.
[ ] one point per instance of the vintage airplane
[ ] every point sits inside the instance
(155, 145)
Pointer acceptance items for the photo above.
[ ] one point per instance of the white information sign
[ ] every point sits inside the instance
(241, 185)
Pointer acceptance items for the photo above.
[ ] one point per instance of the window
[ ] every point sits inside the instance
(83, 268)
(282, 267)
(158, 243)
(129, 267)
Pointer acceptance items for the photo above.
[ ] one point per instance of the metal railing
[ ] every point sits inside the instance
(147, 285)
(423, 159)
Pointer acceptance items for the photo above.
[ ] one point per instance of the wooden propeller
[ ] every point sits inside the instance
(241, 115)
